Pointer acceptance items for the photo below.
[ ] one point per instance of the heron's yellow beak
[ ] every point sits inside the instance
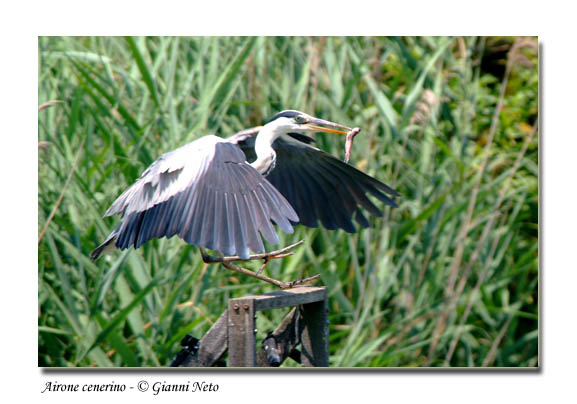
(332, 127)
(328, 130)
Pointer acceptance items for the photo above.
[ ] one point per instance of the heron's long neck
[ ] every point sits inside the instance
(265, 154)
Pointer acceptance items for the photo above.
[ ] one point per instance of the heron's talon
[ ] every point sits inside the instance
(209, 259)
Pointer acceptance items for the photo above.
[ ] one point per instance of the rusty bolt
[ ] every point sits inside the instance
(245, 306)
(235, 306)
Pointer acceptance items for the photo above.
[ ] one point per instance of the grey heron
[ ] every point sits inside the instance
(209, 194)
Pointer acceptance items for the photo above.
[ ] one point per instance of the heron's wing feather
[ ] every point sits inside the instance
(206, 193)
(171, 173)
(322, 187)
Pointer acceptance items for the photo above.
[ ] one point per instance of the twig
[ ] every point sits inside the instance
(266, 256)
(280, 284)
(228, 263)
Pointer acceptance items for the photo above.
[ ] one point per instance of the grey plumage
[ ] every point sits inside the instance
(208, 193)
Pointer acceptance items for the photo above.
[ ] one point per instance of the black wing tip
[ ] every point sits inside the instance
(384, 199)
(392, 203)
(383, 187)
(337, 163)
(352, 230)
(95, 254)
(392, 192)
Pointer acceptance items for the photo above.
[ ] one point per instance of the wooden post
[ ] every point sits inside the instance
(235, 330)
(315, 336)
(241, 332)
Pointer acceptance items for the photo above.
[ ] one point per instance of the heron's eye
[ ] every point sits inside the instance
(299, 119)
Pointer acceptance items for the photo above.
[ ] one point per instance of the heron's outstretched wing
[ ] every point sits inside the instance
(318, 185)
(206, 193)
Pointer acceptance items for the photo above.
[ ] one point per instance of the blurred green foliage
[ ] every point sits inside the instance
(450, 278)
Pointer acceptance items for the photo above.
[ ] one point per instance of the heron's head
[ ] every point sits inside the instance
(296, 121)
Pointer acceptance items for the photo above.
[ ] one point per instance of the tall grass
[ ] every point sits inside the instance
(447, 279)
